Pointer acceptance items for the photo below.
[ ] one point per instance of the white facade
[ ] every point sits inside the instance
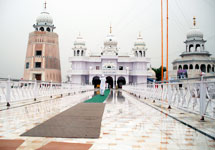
(195, 59)
(118, 69)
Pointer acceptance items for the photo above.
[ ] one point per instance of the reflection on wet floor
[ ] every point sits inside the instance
(115, 96)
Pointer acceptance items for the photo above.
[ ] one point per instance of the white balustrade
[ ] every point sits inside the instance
(196, 97)
(16, 90)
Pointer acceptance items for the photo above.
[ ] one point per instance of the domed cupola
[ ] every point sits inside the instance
(79, 41)
(44, 21)
(110, 44)
(139, 49)
(194, 31)
(79, 48)
(139, 42)
(195, 44)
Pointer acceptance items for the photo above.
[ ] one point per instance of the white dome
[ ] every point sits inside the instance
(152, 73)
(79, 41)
(194, 32)
(139, 41)
(44, 17)
(110, 40)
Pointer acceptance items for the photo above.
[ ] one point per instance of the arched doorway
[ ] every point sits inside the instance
(120, 82)
(203, 68)
(96, 81)
(109, 81)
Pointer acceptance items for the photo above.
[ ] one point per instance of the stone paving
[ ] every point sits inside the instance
(128, 124)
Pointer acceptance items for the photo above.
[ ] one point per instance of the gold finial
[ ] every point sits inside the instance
(45, 5)
(194, 21)
(110, 28)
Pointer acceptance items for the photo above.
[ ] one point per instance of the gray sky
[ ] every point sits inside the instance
(92, 19)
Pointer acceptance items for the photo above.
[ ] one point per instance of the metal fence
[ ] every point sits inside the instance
(16, 90)
(196, 97)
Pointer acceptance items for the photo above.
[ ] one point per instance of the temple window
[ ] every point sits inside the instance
(38, 53)
(37, 64)
(120, 67)
(27, 65)
(190, 48)
(197, 47)
(191, 66)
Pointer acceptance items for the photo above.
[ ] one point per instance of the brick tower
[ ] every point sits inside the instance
(42, 57)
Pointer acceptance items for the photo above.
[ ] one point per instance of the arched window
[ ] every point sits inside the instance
(191, 48)
(213, 69)
(78, 53)
(209, 68)
(140, 53)
(191, 66)
(48, 29)
(144, 53)
(136, 53)
(197, 48)
(185, 67)
(197, 67)
(180, 67)
(203, 68)
(74, 53)
(82, 53)
(41, 29)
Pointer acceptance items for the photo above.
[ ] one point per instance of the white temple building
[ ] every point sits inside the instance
(195, 59)
(87, 68)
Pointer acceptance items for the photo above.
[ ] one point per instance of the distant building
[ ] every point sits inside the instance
(195, 59)
(119, 69)
(42, 57)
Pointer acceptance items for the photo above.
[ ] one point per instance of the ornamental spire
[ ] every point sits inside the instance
(110, 28)
(139, 34)
(194, 21)
(45, 5)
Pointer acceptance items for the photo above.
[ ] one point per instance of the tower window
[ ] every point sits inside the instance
(27, 65)
(97, 67)
(38, 53)
(41, 29)
(48, 29)
(37, 64)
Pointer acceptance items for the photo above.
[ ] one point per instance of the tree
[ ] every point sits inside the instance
(158, 72)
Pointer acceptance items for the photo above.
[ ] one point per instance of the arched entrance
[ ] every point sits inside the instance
(109, 81)
(120, 82)
(96, 82)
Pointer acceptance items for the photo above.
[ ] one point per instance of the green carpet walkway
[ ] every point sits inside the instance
(98, 98)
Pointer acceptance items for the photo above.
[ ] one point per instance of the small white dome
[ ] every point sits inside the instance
(110, 40)
(152, 73)
(44, 17)
(194, 32)
(79, 41)
(139, 41)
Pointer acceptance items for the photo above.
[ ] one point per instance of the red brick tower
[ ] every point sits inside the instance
(42, 57)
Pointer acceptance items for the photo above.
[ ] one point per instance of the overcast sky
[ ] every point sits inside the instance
(92, 19)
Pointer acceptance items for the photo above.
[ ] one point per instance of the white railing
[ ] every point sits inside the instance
(196, 97)
(15, 90)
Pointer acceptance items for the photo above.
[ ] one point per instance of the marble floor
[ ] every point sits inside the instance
(127, 124)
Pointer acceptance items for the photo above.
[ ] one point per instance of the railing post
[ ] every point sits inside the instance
(51, 89)
(35, 90)
(202, 98)
(8, 90)
(154, 89)
(169, 95)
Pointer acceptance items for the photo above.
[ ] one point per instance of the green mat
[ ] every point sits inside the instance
(98, 98)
